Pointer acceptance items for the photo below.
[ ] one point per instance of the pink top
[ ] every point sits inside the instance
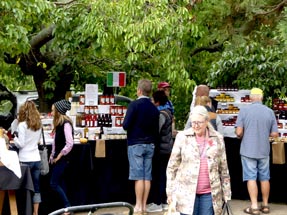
(203, 183)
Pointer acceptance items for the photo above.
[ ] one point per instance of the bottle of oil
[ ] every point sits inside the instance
(86, 132)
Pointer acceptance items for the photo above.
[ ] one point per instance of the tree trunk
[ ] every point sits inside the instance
(32, 64)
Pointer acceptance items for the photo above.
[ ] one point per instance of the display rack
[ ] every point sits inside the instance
(94, 116)
(228, 107)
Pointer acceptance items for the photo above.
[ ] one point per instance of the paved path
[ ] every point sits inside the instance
(237, 207)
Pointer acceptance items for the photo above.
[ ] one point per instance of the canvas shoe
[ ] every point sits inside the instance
(154, 208)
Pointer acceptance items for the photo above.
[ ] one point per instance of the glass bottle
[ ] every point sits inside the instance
(86, 132)
(110, 121)
(83, 120)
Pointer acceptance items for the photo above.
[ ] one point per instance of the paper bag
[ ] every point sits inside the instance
(278, 153)
(100, 149)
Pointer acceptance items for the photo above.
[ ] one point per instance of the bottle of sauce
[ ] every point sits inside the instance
(86, 132)
(83, 120)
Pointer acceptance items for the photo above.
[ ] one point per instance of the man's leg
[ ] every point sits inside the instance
(249, 167)
(264, 176)
(265, 189)
(139, 190)
(145, 194)
(253, 193)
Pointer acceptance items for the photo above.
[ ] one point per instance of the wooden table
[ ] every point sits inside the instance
(11, 183)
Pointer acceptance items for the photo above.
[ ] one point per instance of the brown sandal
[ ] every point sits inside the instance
(265, 209)
(252, 211)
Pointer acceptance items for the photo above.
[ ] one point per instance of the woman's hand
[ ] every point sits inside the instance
(57, 158)
(169, 200)
(54, 160)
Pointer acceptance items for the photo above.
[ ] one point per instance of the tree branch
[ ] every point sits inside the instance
(212, 48)
(275, 8)
(42, 37)
(64, 3)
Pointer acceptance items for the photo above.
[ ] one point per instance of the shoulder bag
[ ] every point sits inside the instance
(44, 156)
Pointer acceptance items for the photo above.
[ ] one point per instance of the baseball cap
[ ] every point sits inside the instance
(163, 85)
(256, 91)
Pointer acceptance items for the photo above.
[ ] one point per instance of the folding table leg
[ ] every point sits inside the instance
(2, 195)
(12, 202)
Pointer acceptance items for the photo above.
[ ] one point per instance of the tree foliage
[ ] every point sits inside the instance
(64, 44)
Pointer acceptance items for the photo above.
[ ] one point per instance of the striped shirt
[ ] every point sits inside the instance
(203, 183)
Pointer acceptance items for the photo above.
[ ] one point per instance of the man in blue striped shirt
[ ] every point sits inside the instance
(255, 123)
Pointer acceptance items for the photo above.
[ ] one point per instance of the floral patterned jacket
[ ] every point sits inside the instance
(183, 170)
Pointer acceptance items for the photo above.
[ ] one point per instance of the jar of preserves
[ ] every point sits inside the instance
(124, 110)
(112, 99)
(120, 110)
(96, 109)
(87, 109)
(112, 110)
(103, 100)
(118, 121)
(82, 99)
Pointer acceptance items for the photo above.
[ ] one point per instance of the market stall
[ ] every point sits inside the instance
(98, 170)
(230, 100)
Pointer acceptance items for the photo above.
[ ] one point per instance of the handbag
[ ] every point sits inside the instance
(171, 210)
(226, 209)
(44, 156)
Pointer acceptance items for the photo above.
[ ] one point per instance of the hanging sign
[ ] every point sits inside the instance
(116, 79)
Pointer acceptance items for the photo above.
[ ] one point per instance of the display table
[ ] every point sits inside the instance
(23, 187)
(92, 180)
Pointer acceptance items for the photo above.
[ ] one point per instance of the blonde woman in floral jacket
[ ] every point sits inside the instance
(198, 179)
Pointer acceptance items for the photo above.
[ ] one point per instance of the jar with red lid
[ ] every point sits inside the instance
(96, 109)
(120, 110)
(107, 98)
(122, 121)
(82, 99)
(112, 99)
(102, 99)
(124, 110)
(118, 121)
(87, 109)
(92, 110)
(112, 110)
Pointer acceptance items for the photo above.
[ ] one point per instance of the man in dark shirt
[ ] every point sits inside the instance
(142, 125)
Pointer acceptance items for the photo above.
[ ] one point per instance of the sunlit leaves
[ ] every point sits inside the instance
(19, 20)
(252, 65)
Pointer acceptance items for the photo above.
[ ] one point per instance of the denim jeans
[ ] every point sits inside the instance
(35, 174)
(57, 182)
(203, 205)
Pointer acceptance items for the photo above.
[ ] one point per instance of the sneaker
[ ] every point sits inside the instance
(154, 208)
(165, 207)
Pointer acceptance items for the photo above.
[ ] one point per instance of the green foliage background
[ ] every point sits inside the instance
(214, 42)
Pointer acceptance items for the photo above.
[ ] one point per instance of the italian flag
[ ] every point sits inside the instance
(116, 79)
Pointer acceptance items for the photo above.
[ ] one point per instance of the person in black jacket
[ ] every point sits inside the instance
(162, 154)
(141, 124)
